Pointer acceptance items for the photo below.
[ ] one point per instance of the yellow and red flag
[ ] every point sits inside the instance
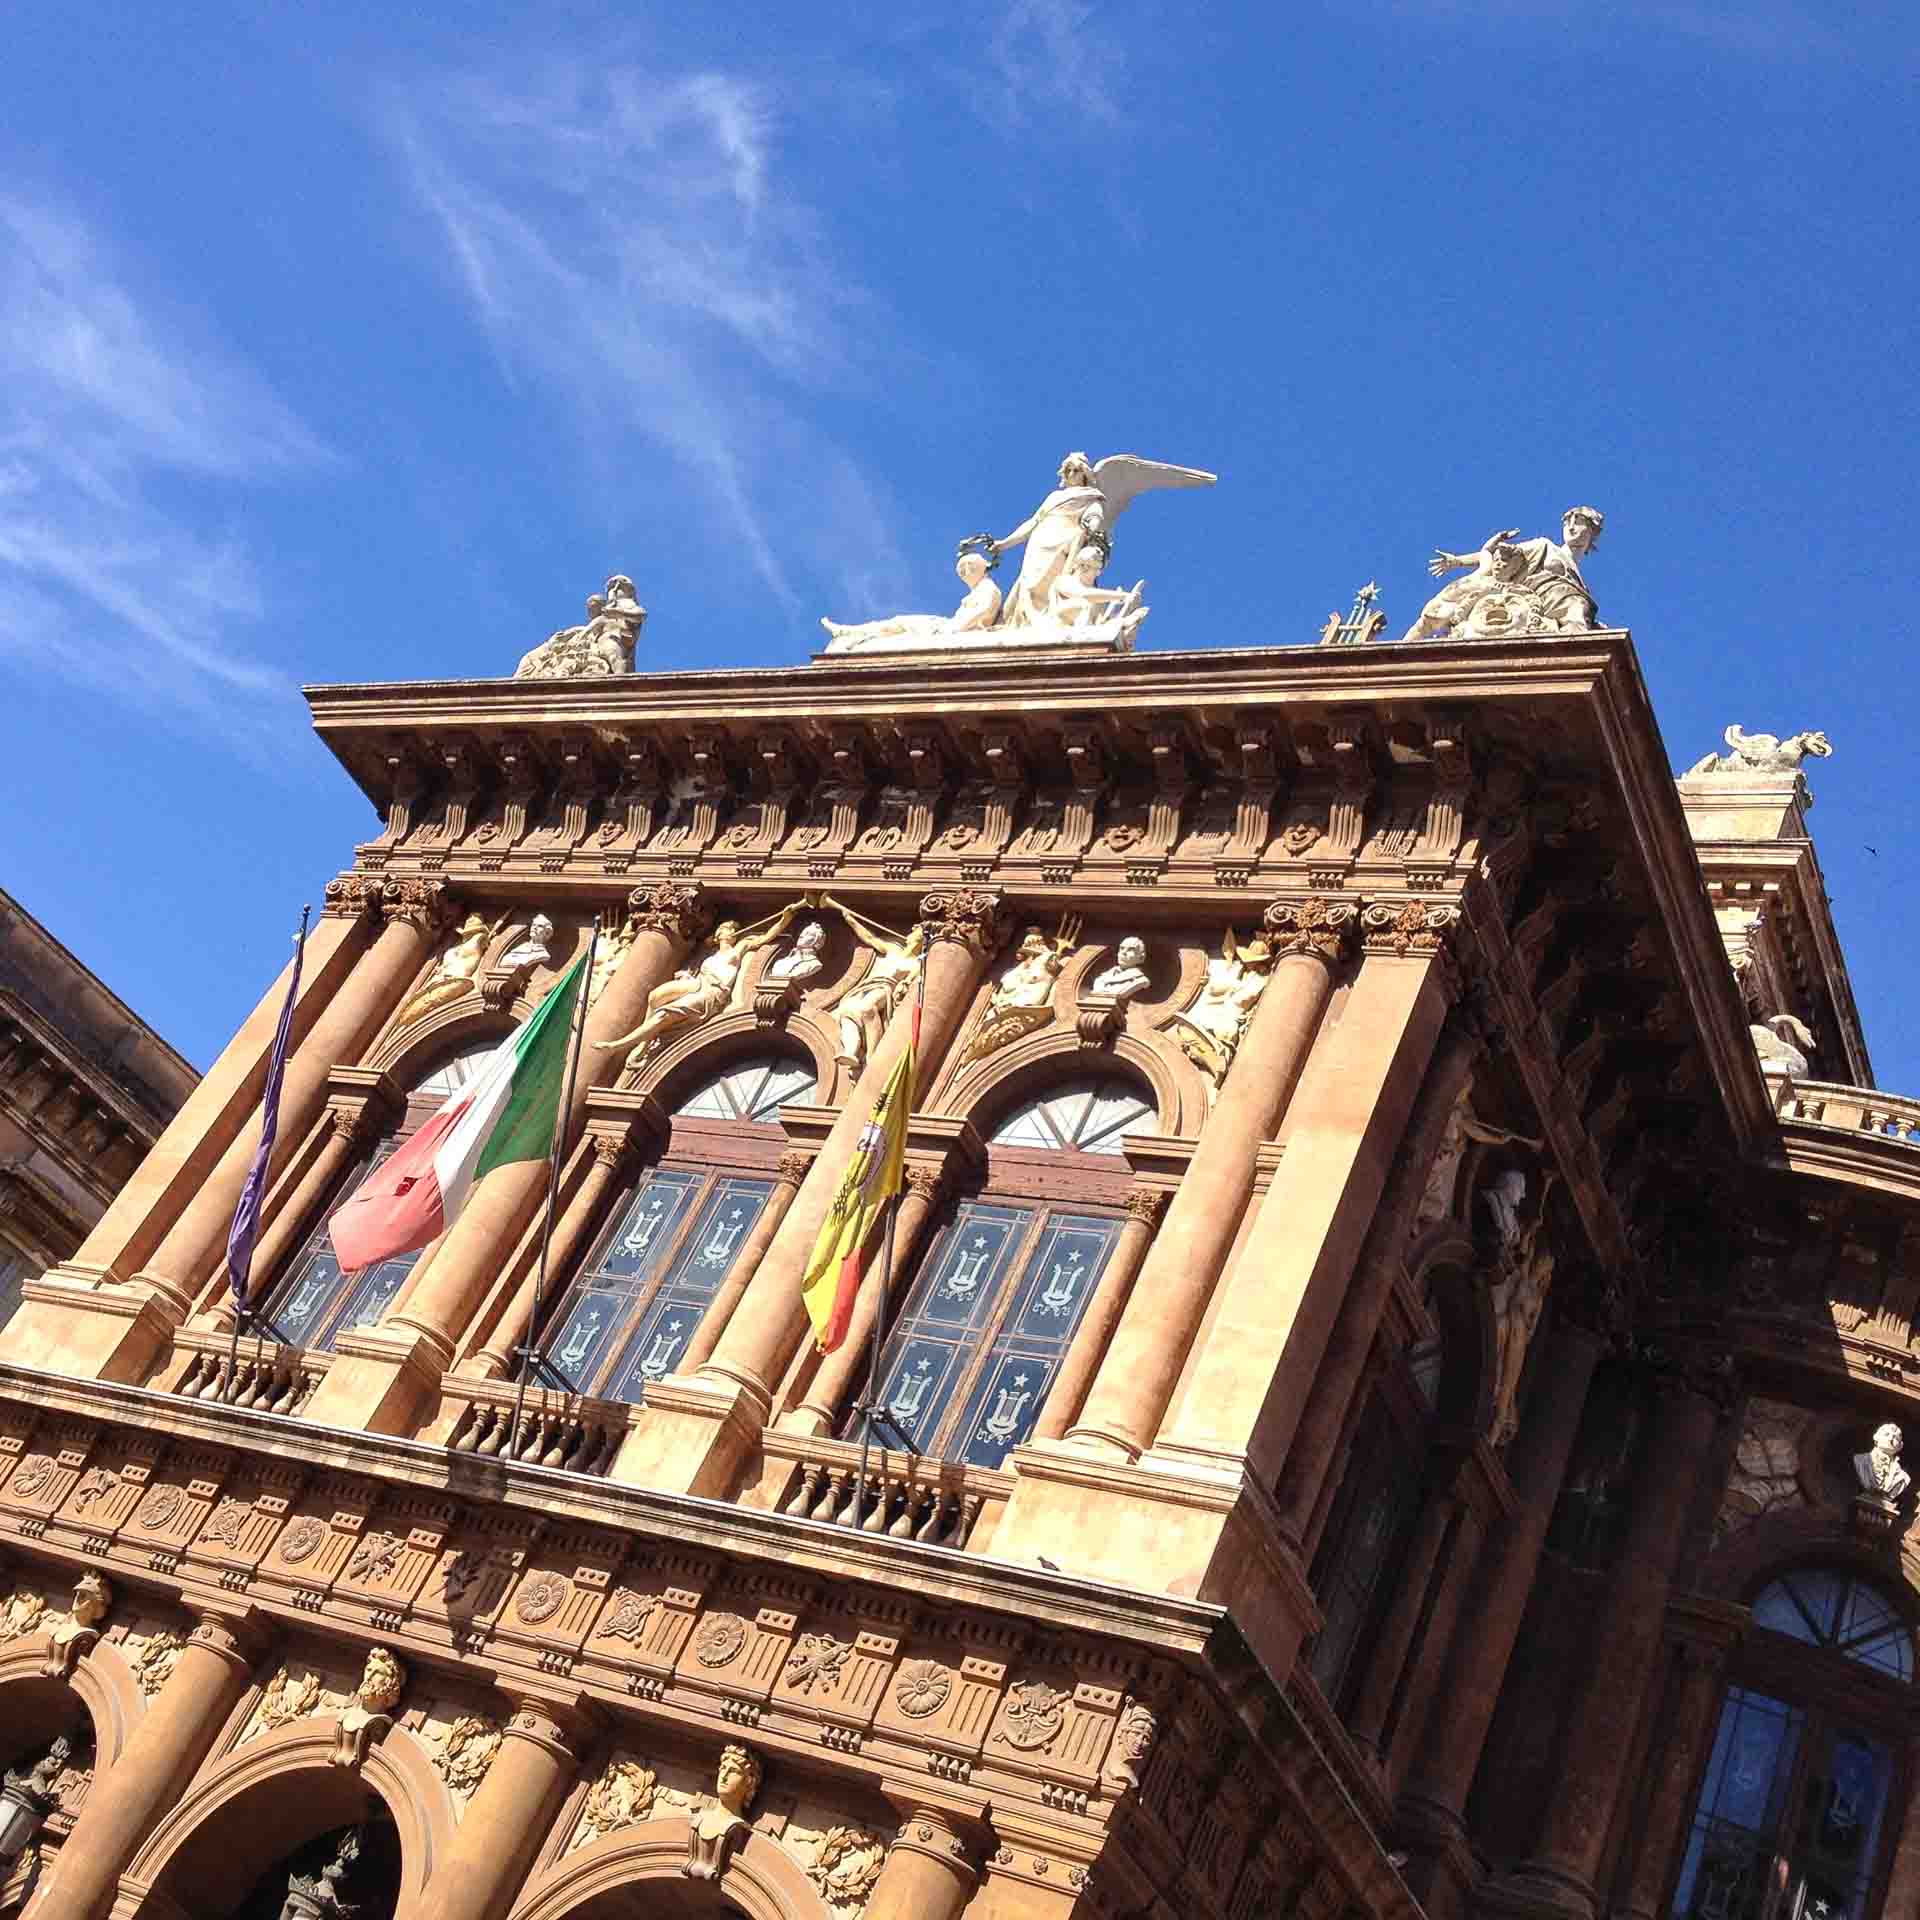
(832, 1279)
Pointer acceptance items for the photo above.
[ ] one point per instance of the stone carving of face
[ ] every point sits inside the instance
(1087, 564)
(738, 1779)
(1580, 530)
(811, 938)
(1133, 951)
(1888, 1440)
(90, 1600)
(972, 568)
(1076, 470)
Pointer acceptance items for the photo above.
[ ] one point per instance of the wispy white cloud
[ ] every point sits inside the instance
(119, 433)
(1055, 58)
(632, 244)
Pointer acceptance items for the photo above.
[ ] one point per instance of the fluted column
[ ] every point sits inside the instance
(962, 931)
(1336, 1379)
(931, 1871)
(1699, 1664)
(416, 911)
(1268, 1330)
(825, 1399)
(1131, 1391)
(442, 1291)
(509, 1814)
(1475, 1664)
(1597, 1741)
(713, 1323)
(128, 1798)
(1145, 1208)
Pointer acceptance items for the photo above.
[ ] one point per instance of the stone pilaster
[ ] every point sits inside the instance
(932, 1868)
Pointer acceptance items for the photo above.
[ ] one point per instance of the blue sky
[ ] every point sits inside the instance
(338, 343)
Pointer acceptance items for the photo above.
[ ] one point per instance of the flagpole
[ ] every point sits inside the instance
(560, 1125)
(868, 1410)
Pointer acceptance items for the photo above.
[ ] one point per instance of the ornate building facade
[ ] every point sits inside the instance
(85, 1089)
(1378, 1394)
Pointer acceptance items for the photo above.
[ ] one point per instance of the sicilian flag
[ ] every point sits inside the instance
(832, 1279)
(246, 1216)
(508, 1112)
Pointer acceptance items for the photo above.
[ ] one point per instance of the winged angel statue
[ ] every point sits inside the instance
(1068, 540)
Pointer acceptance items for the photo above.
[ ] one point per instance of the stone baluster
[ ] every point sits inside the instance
(1597, 1743)
(1145, 1208)
(445, 1287)
(963, 931)
(510, 1812)
(1707, 1630)
(162, 1752)
(1134, 1385)
(932, 1869)
(1475, 1664)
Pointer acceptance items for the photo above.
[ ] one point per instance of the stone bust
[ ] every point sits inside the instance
(801, 961)
(1879, 1470)
(1127, 976)
(717, 1823)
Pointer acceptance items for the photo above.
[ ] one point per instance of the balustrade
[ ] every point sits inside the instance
(278, 1382)
(902, 1496)
(568, 1432)
(1887, 1116)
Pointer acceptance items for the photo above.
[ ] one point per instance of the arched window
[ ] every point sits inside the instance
(630, 1310)
(986, 1323)
(315, 1303)
(1792, 1812)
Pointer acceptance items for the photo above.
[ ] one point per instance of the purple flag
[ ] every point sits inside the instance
(246, 1216)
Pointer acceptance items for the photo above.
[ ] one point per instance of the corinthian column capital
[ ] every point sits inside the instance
(678, 911)
(1321, 927)
(969, 918)
(352, 896)
(1409, 926)
(426, 905)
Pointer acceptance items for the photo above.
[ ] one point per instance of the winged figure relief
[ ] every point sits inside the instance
(1091, 496)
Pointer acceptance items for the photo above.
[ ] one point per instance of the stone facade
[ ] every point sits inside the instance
(1372, 1351)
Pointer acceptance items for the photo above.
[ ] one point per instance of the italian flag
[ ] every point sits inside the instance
(832, 1279)
(508, 1112)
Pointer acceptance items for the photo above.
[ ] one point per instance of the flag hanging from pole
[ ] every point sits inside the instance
(832, 1279)
(246, 1216)
(509, 1111)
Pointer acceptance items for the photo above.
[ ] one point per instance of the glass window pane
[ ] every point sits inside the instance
(1734, 1836)
(753, 1092)
(1842, 1809)
(1829, 1609)
(722, 1227)
(1088, 1116)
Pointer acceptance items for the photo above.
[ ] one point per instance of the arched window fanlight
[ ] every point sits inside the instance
(756, 1091)
(1087, 1116)
(1826, 1608)
(636, 1301)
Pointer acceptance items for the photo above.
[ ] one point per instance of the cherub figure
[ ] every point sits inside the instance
(862, 1012)
(1236, 977)
(698, 992)
(979, 610)
(1078, 603)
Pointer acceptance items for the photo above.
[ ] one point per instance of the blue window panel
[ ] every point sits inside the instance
(1061, 1275)
(643, 1234)
(721, 1228)
(1003, 1407)
(1730, 1847)
(581, 1340)
(958, 1286)
(370, 1295)
(918, 1382)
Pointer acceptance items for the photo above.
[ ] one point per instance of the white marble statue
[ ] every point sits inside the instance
(862, 1012)
(1091, 496)
(904, 631)
(700, 991)
(1879, 1470)
(1774, 1041)
(1081, 609)
(1505, 1195)
(534, 948)
(1762, 753)
(1209, 1031)
(1128, 974)
(801, 961)
(603, 645)
(1515, 586)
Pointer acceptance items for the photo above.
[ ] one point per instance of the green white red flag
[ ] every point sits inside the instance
(507, 1112)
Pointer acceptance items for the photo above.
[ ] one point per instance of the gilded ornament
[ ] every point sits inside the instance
(542, 1596)
(1034, 1713)
(719, 1640)
(921, 1688)
(702, 989)
(1022, 999)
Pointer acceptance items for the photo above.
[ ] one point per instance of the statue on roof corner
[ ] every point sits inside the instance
(1068, 540)
(1515, 587)
(601, 646)
(1762, 753)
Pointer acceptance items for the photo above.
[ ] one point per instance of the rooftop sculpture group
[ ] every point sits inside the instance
(1515, 587)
